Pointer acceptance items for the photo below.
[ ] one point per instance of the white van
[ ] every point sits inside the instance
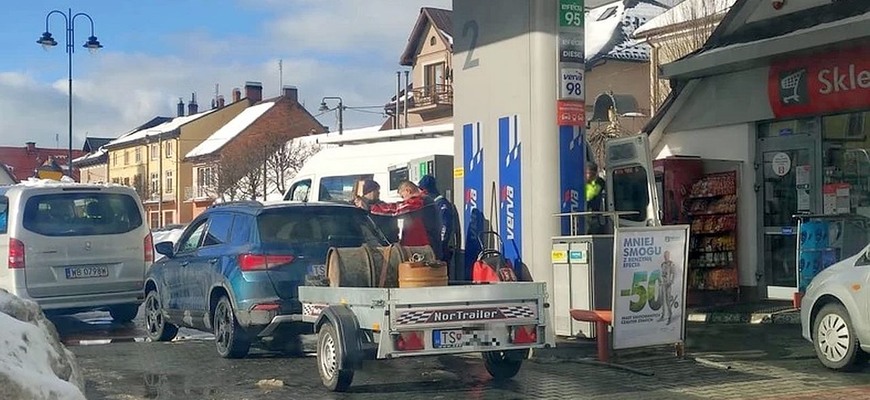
(74, 247)
(330, 174)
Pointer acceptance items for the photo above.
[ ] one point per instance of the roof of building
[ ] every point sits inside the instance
(734, 31)
(93, 144)
(441, 19)
(23, 161)
(231, 130)
(682, 14)
(609, 29)
(165, 127)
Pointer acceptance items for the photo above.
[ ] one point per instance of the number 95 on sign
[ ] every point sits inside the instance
(571, 83)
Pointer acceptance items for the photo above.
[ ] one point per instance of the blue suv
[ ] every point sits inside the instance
(236, 269)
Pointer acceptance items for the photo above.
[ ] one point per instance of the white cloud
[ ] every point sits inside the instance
(346, 48)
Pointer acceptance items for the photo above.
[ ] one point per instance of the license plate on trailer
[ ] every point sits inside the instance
(445, 339)
(86, 272)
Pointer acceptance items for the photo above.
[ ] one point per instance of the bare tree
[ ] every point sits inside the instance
(141, 187)
(240, 171)
(688, 28)
(604, 132)
(287, 159)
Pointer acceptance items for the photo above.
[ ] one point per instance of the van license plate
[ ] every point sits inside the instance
(445, 339)
(86, 272)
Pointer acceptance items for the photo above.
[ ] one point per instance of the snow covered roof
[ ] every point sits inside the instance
(165, 127)
(609, 29)
(373, 135)
(90, 157)
(687, 11)
(229, 131)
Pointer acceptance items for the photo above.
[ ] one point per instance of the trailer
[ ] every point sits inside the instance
(502, 321)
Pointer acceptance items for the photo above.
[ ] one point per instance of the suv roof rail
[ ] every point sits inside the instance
(252, 203)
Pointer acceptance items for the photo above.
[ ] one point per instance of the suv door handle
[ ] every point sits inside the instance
(184, 263)
(213, 260)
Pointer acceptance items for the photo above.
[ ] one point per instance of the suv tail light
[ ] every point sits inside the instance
(149, 248)
(16, 254)
(256, 262)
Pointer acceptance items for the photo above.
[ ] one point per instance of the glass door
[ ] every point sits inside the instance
(787, 186)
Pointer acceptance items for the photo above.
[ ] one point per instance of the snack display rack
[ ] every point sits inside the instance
(713, 261)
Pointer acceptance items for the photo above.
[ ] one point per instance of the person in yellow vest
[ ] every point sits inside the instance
(594, 188)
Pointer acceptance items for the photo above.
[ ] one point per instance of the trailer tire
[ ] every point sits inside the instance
(504, 365)
(330, 353)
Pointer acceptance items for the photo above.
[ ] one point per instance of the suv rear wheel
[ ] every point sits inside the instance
(230, 340)
(124, 313)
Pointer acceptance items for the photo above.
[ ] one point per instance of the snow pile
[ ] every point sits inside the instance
(33, 362)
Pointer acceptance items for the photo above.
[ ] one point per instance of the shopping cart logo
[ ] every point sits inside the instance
(793, 87)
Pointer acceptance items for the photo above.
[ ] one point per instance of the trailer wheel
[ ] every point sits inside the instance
(503, 365)
(335, 377)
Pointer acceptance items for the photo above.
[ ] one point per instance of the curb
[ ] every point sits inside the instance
(789, 317)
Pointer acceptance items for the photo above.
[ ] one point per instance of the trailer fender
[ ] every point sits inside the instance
(347, 327)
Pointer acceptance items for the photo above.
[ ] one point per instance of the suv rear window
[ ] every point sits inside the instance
(337, 226)
(81, 214)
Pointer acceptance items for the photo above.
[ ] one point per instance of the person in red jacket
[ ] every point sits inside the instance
(421, 223)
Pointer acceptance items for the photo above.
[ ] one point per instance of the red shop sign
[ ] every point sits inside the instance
(820, 83)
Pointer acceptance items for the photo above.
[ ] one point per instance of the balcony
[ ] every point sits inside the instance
(431, 97)
(193, 193)
(154, 197)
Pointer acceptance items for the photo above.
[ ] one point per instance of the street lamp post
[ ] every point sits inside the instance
(324, 107)
(92, 45)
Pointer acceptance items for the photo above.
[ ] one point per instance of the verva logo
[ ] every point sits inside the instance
(471, 198)
(821, 83)
(507, 196)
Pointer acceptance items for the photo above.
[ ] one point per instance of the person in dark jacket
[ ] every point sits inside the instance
(448, 216)
(421, 224)
(371, 195)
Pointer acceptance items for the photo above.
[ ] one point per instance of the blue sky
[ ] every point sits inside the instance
(158, 50)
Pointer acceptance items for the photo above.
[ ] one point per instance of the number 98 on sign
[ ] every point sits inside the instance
(571, 83)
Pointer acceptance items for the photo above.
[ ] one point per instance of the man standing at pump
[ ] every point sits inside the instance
(448, 214)
(371, 196)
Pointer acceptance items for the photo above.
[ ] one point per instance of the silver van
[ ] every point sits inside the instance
(74, 247)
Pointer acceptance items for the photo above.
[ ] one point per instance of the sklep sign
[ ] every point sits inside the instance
(820, 83)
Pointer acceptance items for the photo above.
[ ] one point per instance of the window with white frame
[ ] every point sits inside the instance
(168, 146)
(168, 188)
(138, 155)
(204, 181)
(155, 182)
(126, 157)
(155, 151)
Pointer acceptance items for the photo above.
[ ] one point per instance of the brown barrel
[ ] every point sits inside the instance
(349, 267)
(388, 271)
(422, 274)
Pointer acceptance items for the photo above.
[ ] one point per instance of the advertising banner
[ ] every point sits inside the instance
(472, 162)
(572, 153)
(510, 178)
(649, 286)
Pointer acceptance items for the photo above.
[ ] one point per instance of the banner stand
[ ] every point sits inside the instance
(649, 287)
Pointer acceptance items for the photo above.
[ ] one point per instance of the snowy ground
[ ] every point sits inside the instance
(33, 363)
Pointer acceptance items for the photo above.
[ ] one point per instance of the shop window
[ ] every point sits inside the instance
(846, 143)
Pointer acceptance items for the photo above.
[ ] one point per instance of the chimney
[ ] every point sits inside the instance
(192, 108)
(31, 147)
(221, 102)
(237, 95)
(180, 107)
(254, 91)
(213, 104)
(291, 92)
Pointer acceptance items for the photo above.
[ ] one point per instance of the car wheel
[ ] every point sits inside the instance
(230, 340)
(503, 365)
(156, 327)
(124, 313)
(335, 377)
(834, 338)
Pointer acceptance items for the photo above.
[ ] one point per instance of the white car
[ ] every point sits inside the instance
(835, 312)
(74, 247)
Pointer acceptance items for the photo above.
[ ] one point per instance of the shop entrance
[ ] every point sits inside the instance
(787, 185)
